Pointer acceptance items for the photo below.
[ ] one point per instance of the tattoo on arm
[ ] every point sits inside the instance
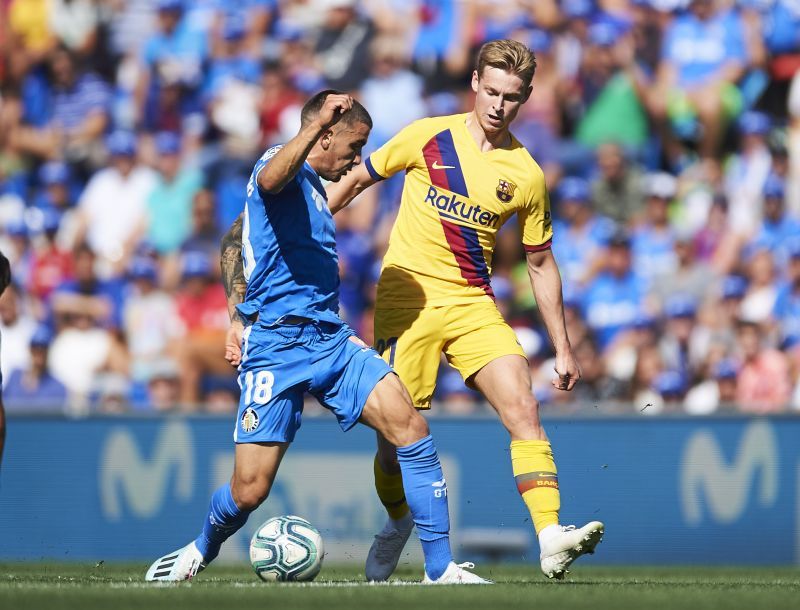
(233, 267)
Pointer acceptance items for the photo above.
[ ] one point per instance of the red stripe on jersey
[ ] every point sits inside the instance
(434, 156)
(472, 265)
(540, 248)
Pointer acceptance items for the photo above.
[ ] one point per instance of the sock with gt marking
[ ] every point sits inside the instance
(390, 491)
(537, 481)
(426, 494)
(223, 520)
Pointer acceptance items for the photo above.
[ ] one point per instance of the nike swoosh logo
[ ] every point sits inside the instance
(436, 165)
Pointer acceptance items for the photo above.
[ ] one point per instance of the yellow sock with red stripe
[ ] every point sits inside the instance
(537, 480)
(390, 491)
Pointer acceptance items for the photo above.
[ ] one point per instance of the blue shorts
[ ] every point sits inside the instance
(281, 363)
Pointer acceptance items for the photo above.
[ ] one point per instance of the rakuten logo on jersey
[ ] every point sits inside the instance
(450, 207)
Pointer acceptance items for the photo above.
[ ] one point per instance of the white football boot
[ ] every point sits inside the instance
(183, 564)
(387, 547)
(455, 574)
(559, 548)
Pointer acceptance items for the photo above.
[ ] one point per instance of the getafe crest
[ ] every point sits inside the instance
(505, 191)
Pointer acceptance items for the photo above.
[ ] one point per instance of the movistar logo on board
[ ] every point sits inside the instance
(450, 206)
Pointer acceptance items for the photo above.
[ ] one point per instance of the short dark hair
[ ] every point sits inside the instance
(357, 114)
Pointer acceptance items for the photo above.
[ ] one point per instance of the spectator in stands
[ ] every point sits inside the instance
(18, 249)
(653, 243)
(677, 353)
(33, 388)
(614, 298)
(110, 393)
(203, 314)
(163, 387)
(171, 74)
(456, 398)
(777, 226)
(75, 24)
(205, 234)
(231, 89)
(86, 294)
(668, 388)
(747, 171)
(715, 394)
(690, 276)
(611, 87)
(280, 105)
(169, 204)
(77, 115)
(787, 303)
(150, 318)
(391, 91)
(16, 328)
(342, 45)
(596, 385)
(51, 265)
(762, 290)
(644, 396)
(112, 207)
(583, 233)
(82, 349)
(220, 395)
(763, 383)
(704, 55)
(29, 25)
(617, 191)
(712, 243)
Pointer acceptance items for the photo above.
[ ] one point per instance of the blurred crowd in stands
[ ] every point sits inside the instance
(669, 132)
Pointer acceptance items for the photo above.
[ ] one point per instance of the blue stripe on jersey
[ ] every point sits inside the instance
(455, 177)
(475, 251)
(289, 249)
(371, 169)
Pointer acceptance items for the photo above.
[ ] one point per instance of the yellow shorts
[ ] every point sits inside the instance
(412, 340)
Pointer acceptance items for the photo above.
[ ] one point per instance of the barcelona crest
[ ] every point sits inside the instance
(505, 191)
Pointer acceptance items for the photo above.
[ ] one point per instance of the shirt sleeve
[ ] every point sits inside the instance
(252, 184)
(399, 153)
(535, 221)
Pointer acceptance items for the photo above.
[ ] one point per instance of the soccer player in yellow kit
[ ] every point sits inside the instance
(466, 175)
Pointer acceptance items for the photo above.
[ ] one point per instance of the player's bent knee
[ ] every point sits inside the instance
(521, 416)
(249, 496)
(414, 428)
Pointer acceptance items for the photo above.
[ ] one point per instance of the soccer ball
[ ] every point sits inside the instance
(286, 549)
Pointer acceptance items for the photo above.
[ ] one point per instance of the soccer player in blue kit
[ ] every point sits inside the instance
(293, 342)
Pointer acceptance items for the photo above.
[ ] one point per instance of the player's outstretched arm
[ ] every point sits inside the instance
(235, 287)
(283, 167)
(546, 283)
(355, 182)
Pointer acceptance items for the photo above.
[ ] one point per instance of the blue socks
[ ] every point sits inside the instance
(426, 494)
(223, 520)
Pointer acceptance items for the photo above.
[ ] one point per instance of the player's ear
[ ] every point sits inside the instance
(475, 80)
(528, 92)
(326, 139)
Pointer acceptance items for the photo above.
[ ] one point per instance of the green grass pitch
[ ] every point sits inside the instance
(117, 587)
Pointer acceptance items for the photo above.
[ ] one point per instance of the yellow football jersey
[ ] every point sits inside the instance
(455, 199)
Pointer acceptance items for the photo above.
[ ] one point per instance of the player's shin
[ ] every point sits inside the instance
(537, 481)
(223, 520)
(390, 491)
(426, 494)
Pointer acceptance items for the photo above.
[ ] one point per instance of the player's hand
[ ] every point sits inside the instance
(233, 343)
(566, 368)
(336, 104)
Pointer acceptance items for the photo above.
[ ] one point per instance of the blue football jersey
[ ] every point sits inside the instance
(289, 249)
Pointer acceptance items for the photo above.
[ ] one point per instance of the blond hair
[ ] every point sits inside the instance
(510, 56)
